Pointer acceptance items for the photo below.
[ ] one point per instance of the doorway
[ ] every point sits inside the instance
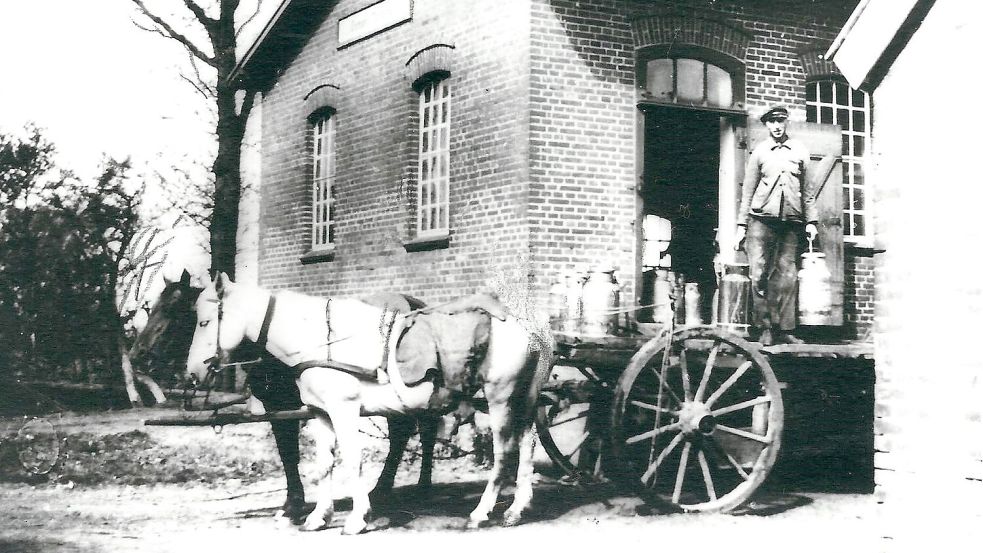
(679, 195)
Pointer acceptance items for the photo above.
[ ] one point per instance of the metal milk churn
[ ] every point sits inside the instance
(733, 310)
(692, 298)
(572, 309)
(557, 304)
(601, 297)
(815, 289)
(662, 312)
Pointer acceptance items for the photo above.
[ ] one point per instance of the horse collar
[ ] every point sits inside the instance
(264, 330)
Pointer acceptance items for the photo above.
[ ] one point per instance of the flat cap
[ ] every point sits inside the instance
(774, 114)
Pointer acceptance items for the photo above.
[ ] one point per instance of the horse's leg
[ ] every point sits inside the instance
(400, 431)
(428, 439)
(504, 446)
(287, 434)
(324, 438)
(346, 416)
(524, 478)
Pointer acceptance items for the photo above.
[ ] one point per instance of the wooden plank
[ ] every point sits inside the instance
(223, 419)
(858, 350)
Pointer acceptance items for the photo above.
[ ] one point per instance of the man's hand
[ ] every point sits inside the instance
(739, 237)
(812, 231)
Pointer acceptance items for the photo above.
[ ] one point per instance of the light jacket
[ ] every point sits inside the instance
(775, 183)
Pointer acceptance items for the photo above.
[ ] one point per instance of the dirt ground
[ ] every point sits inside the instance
(236, 514)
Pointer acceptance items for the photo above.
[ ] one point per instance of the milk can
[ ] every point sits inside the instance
(601, 297)
(733, 309)
(558, 304)
(662, 313)
(573, 289)
(693, 317)
(815, 289)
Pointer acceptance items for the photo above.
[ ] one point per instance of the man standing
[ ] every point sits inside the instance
(775, 205)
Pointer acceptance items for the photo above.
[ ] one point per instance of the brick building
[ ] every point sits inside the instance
(439, 147)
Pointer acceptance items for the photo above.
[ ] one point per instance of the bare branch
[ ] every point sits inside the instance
(199, 13)
(174, 35)
(203, 86)
(259, 6)
(195, 85)
(247, 106)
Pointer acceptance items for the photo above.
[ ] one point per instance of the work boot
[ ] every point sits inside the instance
(765, 338)
(784, 337)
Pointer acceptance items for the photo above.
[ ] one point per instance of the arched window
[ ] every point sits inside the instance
(322, 178)
(433, 164)
(692, 82)
(832, 101)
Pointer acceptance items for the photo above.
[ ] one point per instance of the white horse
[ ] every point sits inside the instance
(296, 330)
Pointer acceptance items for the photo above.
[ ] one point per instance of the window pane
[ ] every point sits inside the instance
(826, 115)
(811, 92)
(826, 92)
(846, 174)
(846, 198)
(859, 99)
(659, 78)
(858, 199)
(858, 225)
(858, 146)
(719, 90)
(846, 224)
(858, 173)
(846, 145)
(858, 121)
(811, 114)
(842, 98)
(843, 118)
(689, 80)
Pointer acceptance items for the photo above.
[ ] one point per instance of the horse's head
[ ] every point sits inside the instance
(168, 326)
(221, 327)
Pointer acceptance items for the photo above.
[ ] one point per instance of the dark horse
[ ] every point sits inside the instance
(167, 337)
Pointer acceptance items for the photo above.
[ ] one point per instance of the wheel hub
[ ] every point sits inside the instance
(695, 418)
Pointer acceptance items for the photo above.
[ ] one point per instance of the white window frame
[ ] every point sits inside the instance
(853, 182)
(322, 181)
(433, 165)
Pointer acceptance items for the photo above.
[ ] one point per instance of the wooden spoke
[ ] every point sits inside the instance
(681, 472)
(654, 432)
(711, 359)
(707, 478)
(729, 382)
(743, 434)
(733, 462)
(583, 414)
(684, 370)
(741, 405)
(654, 466)
(665, 386)
(652, 407)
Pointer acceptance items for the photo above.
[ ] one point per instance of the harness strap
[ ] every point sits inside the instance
(354, 370)
(264, 330)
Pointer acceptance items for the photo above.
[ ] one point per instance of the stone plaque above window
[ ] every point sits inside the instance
(378, 17)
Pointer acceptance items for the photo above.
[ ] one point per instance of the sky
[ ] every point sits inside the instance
(97, 85)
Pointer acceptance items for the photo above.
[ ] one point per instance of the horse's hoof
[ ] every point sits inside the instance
(511, 519)
(314, 524)
(475, 524)
(353, 528)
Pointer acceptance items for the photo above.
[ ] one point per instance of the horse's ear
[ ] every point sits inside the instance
(222, 282)
(185, 278)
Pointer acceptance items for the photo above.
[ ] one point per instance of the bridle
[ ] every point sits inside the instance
(220, 361)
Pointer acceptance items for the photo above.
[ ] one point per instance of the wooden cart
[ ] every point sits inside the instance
(704, 440)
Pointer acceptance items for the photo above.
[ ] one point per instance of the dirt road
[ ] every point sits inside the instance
(237, 514)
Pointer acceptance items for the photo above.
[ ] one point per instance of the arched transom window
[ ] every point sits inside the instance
(689, 82)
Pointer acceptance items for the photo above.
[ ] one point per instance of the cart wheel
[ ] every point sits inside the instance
(573, 408)
(715, 436)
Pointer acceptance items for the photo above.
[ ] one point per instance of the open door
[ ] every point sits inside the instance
(824, 177)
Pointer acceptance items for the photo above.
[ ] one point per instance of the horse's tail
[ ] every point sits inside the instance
(544, 365)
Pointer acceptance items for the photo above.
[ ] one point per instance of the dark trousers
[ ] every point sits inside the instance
(772, 249)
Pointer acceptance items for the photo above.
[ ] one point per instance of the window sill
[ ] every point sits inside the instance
(862, 248)
(428, 242)
(324, 253)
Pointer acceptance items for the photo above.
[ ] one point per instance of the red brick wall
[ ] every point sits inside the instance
(376, 153)
(543, 139)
